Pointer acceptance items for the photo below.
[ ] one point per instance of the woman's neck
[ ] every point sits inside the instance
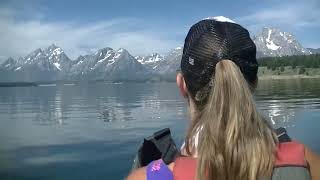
(192, 109)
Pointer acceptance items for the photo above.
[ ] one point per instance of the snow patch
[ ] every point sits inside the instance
(178, 48)
(7, 65)
(150, 59)
(158, 58)
(281, 34)
(57, 65)
(269, 35)
(18, 68)
(101, 60)
(121, 50)
(117, 56)
(57, 51)
(111, 61)
(106, 57)
(221, 19)
(285, 36)
(270, 44)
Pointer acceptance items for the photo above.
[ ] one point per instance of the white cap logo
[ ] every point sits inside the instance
(191, 61)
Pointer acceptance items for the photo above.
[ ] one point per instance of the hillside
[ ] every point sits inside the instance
(305, 66)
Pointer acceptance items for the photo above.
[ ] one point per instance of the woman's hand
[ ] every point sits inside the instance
(139, 174)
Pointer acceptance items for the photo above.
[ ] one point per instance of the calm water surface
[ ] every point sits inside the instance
(93, 130)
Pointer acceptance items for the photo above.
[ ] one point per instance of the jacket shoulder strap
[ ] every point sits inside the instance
(290, 162)
(290, 154)
(184, 168)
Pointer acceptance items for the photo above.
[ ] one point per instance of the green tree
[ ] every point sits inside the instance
(302, 70)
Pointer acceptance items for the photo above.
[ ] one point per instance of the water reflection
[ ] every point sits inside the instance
(281, 100)
(119, 113)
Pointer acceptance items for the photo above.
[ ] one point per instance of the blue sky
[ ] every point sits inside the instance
(141, 26)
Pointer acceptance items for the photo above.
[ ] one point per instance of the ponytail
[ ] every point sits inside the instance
(235, 142)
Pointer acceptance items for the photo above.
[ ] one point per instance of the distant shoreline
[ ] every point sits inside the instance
(288, 72)
(17, 84)
(35, 84)
(271, 77)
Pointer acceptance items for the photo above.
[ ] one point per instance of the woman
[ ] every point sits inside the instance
(228, 138)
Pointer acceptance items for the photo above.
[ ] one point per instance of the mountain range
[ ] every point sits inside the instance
(314, 51)
(52, 64)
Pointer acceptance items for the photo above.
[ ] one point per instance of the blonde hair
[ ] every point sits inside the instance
(235, 142)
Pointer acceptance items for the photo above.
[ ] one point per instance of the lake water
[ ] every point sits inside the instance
(92, 131)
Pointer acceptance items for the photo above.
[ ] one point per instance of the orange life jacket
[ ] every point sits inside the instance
(290, 164)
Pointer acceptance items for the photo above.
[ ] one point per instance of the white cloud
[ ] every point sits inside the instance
(18, 38)
(289, 15)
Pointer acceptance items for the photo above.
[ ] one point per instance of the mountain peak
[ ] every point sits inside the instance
(35, 53)
(273, 30)
(272, 41)
(269, 27)
(10, 59)
(53, 49)
(105, 49)
(53, 46)
(121, 50)
(9, 62)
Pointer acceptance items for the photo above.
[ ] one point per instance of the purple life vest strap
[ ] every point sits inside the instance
(158, 170)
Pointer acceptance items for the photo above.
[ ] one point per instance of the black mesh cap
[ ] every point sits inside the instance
(210, 41)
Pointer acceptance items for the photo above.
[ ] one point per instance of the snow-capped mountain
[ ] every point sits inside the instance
(40, 65)
(150, 61)
(171, 63)
(108, 64)
(52, 58)
(273, 42)
(9, 64)
(88, 63)
(314, 51)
